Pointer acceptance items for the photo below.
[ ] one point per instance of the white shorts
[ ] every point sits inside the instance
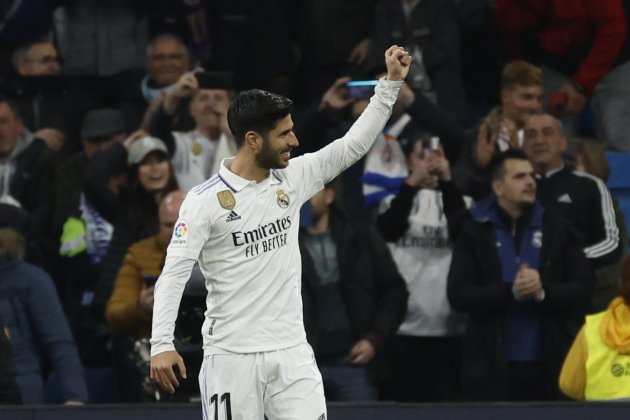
(282, 384)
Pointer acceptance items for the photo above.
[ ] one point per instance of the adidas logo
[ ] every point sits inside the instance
(232, 217)
(322, 417)
(564, 199)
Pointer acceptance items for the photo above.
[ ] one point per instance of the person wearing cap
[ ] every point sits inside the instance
(133, 208)
(81, 233)
(197, 154)
(100, 129)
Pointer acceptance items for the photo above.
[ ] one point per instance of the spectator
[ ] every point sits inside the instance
(385, 164)
(84, 234)
(26, 168)
(133, 210)
(519, 273)
(130, 306)
(197, 154)
(24, 160)
(591, 159)
(427, 29)
(596, 366)
(166, 60)
(414, 221)
(583, 46)
(354, 299)
(100, 129)
(35, 323)
(37, 58)
(521, 96)
(48, 101)
(21, 21)
(581, 198)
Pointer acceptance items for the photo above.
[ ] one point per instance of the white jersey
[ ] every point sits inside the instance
(423, 257)
(245, 236)
(197, 157)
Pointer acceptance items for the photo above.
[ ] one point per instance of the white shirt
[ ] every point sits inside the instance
(197, 157)
(245, 236)
(423, 257)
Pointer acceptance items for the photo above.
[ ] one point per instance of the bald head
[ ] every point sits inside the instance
(169, 212)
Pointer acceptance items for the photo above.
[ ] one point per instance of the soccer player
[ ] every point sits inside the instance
(242, 226)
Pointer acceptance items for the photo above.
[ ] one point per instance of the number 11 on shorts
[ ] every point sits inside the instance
(225, 401)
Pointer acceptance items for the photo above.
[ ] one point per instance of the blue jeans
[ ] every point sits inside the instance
(347, 383)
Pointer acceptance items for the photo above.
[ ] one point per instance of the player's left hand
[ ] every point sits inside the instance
(162, 370)
(398, 62)
(361, 353)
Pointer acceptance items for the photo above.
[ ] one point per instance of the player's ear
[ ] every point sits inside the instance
(253, 140)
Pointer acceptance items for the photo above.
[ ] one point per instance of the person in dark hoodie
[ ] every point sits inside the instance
(597, 365)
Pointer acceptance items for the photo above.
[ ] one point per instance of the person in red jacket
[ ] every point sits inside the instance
(582, 48)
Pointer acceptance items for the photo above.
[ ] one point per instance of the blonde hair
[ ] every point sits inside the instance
(521, 73)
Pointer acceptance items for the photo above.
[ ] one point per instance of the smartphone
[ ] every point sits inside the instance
(361, 89)
(150, 279)
(431, 143)
(214, 80)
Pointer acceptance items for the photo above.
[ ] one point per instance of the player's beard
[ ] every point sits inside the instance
(267, 157)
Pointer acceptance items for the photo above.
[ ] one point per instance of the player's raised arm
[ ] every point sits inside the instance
(342, 153)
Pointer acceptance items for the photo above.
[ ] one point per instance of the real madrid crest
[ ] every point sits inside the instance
(226, 199)
(283, 199)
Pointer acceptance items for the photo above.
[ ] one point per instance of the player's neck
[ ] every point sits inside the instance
(247, 168)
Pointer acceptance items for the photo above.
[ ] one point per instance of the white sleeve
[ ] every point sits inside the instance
(344, 152)
(192, 229)
(166, 299)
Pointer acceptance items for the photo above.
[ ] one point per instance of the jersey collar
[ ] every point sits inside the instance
(236, 183)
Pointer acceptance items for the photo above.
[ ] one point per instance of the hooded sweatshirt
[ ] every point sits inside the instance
(614, 332)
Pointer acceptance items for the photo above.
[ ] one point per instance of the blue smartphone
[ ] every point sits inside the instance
(361, 89)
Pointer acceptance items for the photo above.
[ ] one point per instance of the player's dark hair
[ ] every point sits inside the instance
(497, 164)
(256, 110)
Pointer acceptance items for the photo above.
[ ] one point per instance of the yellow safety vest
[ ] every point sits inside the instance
(607, 372)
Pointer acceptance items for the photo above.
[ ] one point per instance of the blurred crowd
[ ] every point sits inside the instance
(458, 261)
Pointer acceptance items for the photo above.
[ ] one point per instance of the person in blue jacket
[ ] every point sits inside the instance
(34, 322)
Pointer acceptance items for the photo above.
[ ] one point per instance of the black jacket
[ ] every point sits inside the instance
(475, 287)
(585, 201)
(371, 287)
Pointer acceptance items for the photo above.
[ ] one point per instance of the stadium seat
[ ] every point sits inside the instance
(619, 180)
